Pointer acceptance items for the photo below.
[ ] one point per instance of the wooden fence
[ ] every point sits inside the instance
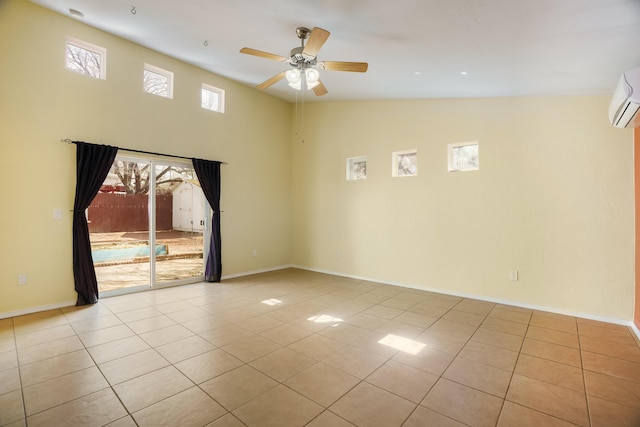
(113, 212)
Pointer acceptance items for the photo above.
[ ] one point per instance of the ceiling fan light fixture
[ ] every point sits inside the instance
(293, 75)
(294, 78)
(312, 77)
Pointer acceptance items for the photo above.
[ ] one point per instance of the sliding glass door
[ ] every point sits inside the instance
(179, 224)
(146, 226)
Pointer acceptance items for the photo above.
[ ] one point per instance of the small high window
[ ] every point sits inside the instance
(404, 163)
(85, 58)
(158, 81)
(356, 168)
(463, 156)
(212, 98)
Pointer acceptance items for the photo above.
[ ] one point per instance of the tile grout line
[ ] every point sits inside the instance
(515, 365)
(24, 401)
(519, 353)
(84, 346)
(112, 387)
(316, 363)
(363, 380)
(449, 364)
(289, 322)
(195, 385)
(100, 370)
(584, 379)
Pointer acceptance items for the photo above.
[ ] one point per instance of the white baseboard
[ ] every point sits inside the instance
(636, 331)
(616, 321)
(250, 273)
(32, 310)
(126, 291)
(589, 316)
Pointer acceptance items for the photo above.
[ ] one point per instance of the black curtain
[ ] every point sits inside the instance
(209, 176)
(92, 166)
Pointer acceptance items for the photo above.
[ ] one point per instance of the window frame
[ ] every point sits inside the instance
(396, 159)
(215, 90)
(352, 175)
(101, 51)
(450, 156)
(162, 72)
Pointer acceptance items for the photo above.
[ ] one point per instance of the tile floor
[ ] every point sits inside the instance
(296, 348)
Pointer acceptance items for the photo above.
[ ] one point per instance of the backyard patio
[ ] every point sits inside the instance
(180, 258)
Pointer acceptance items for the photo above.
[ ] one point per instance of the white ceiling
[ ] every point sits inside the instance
(415, 48)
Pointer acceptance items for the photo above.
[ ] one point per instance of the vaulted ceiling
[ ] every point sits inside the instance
(415, 48)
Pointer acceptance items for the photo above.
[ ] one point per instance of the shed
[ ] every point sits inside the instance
(188, 207)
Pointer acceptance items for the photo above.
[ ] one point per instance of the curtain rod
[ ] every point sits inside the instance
(69, 141)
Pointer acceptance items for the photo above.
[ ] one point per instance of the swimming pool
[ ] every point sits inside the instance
(125, 251)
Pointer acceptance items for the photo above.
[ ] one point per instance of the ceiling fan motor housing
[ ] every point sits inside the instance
(303, 32)
(299, 59)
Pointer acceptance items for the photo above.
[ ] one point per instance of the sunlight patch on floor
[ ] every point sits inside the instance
(403, 344)
(324, 318)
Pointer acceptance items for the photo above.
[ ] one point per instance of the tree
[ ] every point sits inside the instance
(84, 61)
(135, 177)
(155, 83)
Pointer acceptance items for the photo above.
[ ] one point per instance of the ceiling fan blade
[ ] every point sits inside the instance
(316, 41)
(358, 67)
(275, 79)
(262, 54)
(320, 89)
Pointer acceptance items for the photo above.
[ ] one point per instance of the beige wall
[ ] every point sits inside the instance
(41, 102)
(553, 199)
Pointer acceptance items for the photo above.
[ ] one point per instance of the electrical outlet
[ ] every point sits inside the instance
(338, 254)
(513, 275)
(57, 213)
(22, 279)
(255, 252)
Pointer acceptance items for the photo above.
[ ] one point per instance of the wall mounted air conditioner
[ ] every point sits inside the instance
(624, 109)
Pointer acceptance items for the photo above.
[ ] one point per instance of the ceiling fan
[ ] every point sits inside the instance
(304, 62)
